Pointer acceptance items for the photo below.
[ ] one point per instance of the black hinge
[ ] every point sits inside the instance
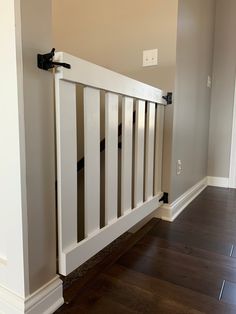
(45, 61)
(164, 198)
(168, 98)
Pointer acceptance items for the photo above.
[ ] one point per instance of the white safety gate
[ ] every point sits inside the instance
(141, 157)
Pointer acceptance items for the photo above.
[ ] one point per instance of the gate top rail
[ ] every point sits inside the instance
(89, 74)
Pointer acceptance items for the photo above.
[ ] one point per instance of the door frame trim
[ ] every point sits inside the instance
(232, 172)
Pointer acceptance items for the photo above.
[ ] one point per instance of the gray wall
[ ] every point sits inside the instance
(39, 132)
(114, 34)
(192, 97)
(223, 89)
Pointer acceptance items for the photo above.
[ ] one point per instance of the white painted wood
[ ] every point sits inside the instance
(19, 275)
(126, 162)
(149, 157)
(158, 149)
(46, 300)
(111, 157)
(170, 212)
(14, 239)
(66, 163)
(232, 172)
(93, 75)
(218, 181)
(139, 152)
(90, 246)
(92, 159)
(19, 265)
(96, 78)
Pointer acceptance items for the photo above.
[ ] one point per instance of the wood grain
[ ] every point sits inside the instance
(172, 268)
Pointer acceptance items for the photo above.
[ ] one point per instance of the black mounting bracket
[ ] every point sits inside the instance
(168, 98)
(164, 198)
(45, 61)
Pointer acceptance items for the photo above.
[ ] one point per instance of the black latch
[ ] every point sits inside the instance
(164, 198)
(168, 98)
(45, 62)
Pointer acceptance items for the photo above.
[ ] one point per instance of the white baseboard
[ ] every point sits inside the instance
(218, 181)
(170, 212)
(46, 300)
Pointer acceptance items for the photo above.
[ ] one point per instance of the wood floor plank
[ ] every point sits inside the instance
(218, 259)
(198, 264)
(207, 231)
(95, 302)
(198, 240)
(234, 252)
(178, 294)
(168, 268)
(174, 271)
(212, 215)
(228, 294)
(130, 296)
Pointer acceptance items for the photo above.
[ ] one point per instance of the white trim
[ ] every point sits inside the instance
(170, 212)
(71, 258)
(218, 181)
(93, 75)
(46, 300)
(13, 198)
(94, 78)
(232, 172)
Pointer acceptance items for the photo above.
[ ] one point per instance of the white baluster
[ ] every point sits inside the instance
(126, 162)
(92, 159)
(111, 157)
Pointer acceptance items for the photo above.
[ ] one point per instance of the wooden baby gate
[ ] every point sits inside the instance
(141, 122)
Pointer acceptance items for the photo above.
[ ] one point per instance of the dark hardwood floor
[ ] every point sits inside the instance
(188, 266)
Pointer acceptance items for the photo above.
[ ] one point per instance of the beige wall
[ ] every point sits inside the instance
(224, 73)
(192, 97)
(113, 34)
(39, 133)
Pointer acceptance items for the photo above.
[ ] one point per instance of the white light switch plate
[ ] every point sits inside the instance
(150, 57)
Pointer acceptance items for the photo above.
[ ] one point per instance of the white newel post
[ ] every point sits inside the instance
(28, 280)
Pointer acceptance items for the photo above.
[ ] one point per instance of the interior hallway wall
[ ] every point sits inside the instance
(224, 74)
(39, 141)
(113, 34)
(192, 96)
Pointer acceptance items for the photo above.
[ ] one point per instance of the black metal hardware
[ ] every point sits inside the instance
(168, 98)
(164, 198)
(45, 61)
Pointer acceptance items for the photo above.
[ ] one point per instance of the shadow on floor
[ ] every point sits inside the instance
(187, 266)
